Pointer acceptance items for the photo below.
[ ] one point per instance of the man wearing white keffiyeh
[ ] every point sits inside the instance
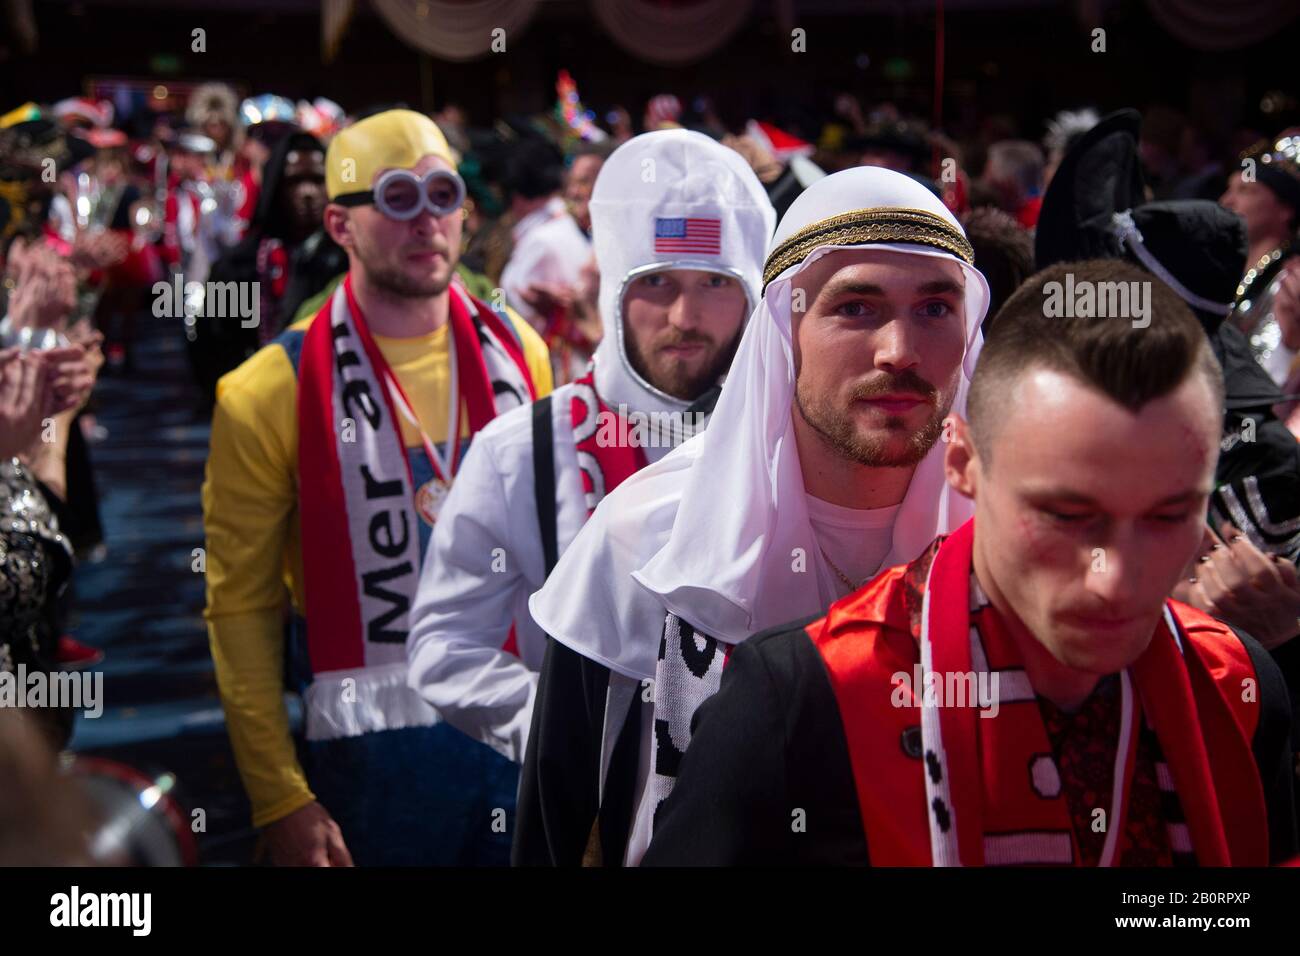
(822, 464)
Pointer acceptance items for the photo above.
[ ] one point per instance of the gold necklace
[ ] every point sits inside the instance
(843, 577)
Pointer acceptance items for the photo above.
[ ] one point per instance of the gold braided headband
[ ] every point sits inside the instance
(862, 226)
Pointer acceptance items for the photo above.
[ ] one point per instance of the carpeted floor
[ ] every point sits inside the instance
(142, 604)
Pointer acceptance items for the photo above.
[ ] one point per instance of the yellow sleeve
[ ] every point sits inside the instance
(536, 355)
(249, 504)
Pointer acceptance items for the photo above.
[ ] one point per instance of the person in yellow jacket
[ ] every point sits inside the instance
(332, 449)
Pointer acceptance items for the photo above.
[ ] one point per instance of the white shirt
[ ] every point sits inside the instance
(854, 540)
(549, 210)
(554, 252)
(857, 541)
(484, 560)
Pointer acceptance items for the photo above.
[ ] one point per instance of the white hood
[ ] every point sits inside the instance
(669, 175)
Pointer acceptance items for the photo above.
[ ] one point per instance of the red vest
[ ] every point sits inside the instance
(871, 635)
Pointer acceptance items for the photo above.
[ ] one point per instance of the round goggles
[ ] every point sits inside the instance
(400, 194)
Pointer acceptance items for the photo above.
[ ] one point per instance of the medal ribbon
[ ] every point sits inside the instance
(444, 464)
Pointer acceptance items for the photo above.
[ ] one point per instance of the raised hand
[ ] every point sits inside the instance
(1240, 585)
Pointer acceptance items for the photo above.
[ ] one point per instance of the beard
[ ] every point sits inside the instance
(674, 376)
(877, 450)
(389, 276)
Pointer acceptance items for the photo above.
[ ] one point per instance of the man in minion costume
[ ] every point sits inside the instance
(332, 451)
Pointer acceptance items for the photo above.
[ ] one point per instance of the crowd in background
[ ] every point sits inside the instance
(101, 209)
(129, 198)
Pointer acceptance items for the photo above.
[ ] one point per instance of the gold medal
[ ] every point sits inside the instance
(429, 499)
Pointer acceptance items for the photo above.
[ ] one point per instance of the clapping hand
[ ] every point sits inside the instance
(45, 287)
(23, 400)
(99, 250)
(70, 374)
(1239, 584)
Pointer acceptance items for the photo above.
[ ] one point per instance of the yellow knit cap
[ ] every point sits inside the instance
(396, 139)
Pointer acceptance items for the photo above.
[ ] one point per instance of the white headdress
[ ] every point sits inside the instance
(714, 531)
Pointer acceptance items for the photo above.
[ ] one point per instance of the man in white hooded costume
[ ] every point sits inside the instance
(680, 225)
(822, 464)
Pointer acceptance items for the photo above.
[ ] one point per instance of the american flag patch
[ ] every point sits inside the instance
(700, 236)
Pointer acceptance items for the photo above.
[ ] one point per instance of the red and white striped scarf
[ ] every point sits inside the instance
(982, 806)
(360, 509)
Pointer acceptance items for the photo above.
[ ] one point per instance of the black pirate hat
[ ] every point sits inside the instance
(1094, 209)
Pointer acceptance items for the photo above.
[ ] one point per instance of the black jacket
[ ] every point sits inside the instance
(559, 789)
(772, 738)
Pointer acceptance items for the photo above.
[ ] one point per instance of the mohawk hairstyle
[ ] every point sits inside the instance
(1130, 365)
